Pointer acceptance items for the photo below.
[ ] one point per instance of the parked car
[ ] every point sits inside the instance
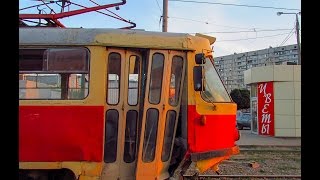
(244, 120)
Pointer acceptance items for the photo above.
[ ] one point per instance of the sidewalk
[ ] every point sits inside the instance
(249, 139)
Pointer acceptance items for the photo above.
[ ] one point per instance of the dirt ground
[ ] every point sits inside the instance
(268, 161)
(260, 161)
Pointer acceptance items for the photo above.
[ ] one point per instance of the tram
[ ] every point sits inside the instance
(120, 104)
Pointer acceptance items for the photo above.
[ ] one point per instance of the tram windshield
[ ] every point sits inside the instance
(214, 90)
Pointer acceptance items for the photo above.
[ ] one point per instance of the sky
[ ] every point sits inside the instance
(259, 28)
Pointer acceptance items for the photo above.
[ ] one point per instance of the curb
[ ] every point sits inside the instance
(267, 145)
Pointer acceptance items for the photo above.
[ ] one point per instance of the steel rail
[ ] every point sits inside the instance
(270, 150)
(241, 176)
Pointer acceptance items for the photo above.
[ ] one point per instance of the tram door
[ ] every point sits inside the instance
(121, 113)
(160, 114)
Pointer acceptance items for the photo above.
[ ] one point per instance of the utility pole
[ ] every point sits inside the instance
(165, 16)
(298, 39)
(297, 32)
(246, 54)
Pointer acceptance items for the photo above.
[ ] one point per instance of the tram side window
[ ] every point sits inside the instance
(150, 135)
(114, 75)
(130, 136)
(175, 80)
(40, 86)
(133, 82)
(156, 78)
(111, 136)
(78, 86)
(54, 73)
(168, 135)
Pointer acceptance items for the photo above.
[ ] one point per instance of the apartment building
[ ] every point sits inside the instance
(231, 67)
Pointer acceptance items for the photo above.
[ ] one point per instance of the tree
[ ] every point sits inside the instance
(241, 97)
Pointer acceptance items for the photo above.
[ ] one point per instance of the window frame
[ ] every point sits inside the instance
(210, 59)
(119, 80)
(151, 95)
(60, 73)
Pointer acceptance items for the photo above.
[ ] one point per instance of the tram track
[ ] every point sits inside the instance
(269, 148)
(255, 162)
(199, 177)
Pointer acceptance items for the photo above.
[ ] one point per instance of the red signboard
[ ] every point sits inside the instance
(265, 109)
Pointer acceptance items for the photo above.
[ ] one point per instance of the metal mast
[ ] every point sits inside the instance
(165, 16)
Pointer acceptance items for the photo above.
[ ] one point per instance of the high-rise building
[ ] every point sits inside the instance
(231, 67)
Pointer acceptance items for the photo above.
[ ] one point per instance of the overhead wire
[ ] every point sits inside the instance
(35, 6)
(287, 37)
(159, 6)
(241, 5)
(206, 22)
(252, 38)
(189, 19)
(116, 17)
(254, 30)
(160, 14)
(106, 9)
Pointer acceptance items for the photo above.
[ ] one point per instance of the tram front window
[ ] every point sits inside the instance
(214, 90)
